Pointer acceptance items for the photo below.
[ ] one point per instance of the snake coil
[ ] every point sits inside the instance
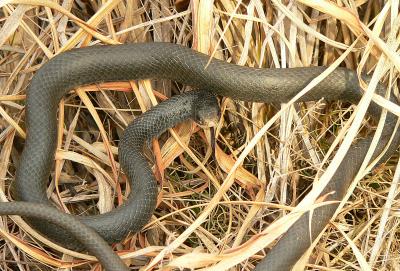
(168, 61)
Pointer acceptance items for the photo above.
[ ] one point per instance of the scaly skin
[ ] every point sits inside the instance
(167, 61)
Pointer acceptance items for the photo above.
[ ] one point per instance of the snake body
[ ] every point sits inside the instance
(88, 237)
(168, 61)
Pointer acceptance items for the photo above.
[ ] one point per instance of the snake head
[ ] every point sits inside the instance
(206, 111)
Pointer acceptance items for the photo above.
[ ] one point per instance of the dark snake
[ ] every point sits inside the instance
(98, 64)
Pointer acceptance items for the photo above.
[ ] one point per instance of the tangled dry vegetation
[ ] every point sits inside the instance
(192, 226)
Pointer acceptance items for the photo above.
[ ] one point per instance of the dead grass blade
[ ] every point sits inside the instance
(12, 23)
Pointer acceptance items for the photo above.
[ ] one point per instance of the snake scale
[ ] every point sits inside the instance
(98, 64)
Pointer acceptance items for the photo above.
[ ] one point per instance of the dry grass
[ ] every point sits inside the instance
(267, 157)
